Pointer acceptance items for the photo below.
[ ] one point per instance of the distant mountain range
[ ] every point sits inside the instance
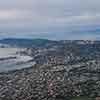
(15, 42)
(20, 42)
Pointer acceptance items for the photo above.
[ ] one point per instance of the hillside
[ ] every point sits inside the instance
(63, 70)
(16, 42)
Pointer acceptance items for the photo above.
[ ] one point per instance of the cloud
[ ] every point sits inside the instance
(12, 14)
(15, 16)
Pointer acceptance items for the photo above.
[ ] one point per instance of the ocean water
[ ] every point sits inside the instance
(19, 62)
(12, 66)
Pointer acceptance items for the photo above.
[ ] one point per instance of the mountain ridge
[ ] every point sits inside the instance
(21, 42)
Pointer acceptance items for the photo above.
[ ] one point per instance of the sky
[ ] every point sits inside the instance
(50, 19)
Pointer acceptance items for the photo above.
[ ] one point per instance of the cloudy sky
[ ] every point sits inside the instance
(51, 19)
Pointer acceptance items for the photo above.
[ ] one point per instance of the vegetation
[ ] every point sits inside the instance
(82, 98)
